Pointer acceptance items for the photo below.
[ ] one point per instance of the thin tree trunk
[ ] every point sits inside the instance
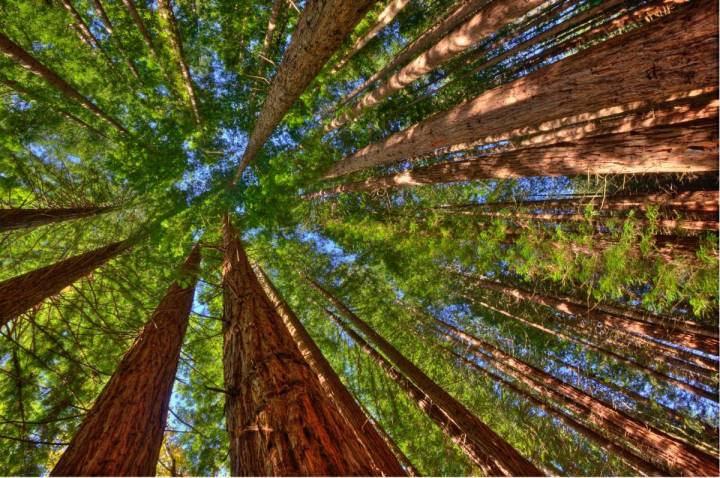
(279, 419)
(674, 456)
(137, 20)
(677, 149)
(321, 29)
(392, 9)
(107, 25)
(13, 218)
(490, 18)
(25, 291)
(366, 430)
(24, 59)
(668, 58)
(123, 432)
(487, 449)
(168, 18)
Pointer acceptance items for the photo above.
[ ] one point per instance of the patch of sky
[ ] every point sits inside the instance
(326, 246)
(162, 90)
(19, 104)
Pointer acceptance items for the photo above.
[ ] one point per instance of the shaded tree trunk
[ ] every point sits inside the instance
(366, 430)
(137, 20)
(669, 58)
(321, 29)
(13, 218)
(674, 456)
(487, 449)
(123, 432)
(27, 61)
(20, 293)
(491, 17)
(279, 419)
(391, 10)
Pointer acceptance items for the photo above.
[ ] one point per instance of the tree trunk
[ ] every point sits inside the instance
(669, 58)
(674, 456)
(123, 432)
(279, 419)
(168, 18)
(392, 9)
(20, 293)
(24, 59)
(137, 20)
(321, 29)
(677, 149)
(487, 449)
(490, 18)
(366, 430)
(85, 32)
(100, 11)
(11, 219)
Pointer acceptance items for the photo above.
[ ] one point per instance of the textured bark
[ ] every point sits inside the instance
(279, 419)
(20, 293)
(490, 18)
(12, 218)
(123, 432)
(668, 58)
(366, 431)
(321, 29)
(674, 456)
(24, 59)
(678, 149)
(168, 18)
(487, 449)
(388, 14)
(426, 39)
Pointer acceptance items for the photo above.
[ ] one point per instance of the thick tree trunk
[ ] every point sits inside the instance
(173, 33)
(672, 57)
(674, 456)
(279, 419)
(366, 430)
(123, 432)
(321, 29)
(24, 59)
(12, 218)
(426, 39)
(673, 149)
(386, 16)
(486, 448)
(490, 18)
(20, 293)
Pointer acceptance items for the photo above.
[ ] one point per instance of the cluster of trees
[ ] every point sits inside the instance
(359, 238)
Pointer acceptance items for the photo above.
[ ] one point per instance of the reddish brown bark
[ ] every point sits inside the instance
(491, 17)
(12, 218)
(20, 293)
(487, 449)
(366, 431)
(672, 455)
(683, 148)
(279, 419)
(321, 29)
(672, 57)
(27, 61)
(123, 432)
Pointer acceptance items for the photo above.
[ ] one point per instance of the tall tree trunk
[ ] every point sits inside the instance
(670, 57)
(676, 149)
(24, 59)
(490, 18)
(391, 10)
(137, 20)
(13, 218)
(123, 432)
(20, 293)
(321, 29)
(100, 11)
(366, 430)
(432, 35)
(674, 456)
(485, 447)
(279, 419)
(168, 18)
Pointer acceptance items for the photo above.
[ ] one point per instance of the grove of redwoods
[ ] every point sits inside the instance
(359, 237)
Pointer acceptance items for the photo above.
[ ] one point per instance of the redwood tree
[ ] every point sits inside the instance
(13, 218)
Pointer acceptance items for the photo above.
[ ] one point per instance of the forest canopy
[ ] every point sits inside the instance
(359, 237)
